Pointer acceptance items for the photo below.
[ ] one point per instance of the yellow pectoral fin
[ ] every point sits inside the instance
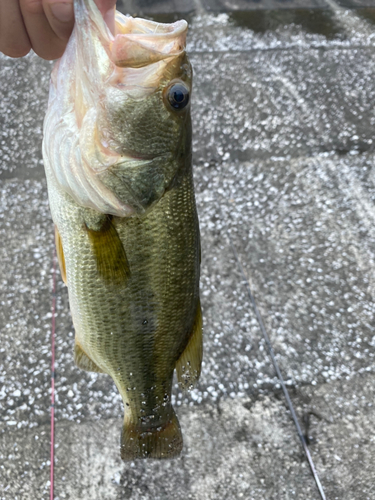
(83, 361)
(111, 260)
(188, 367)
(60, 255)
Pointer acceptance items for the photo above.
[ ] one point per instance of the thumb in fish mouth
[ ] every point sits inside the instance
(108, 9)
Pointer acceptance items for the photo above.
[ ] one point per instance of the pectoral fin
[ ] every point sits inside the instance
(188, 367)
(83, 361)
(60, 255)
(111, 260)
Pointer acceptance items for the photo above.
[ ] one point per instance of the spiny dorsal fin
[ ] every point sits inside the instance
(188, 367)
(60, 255)
(111, 260)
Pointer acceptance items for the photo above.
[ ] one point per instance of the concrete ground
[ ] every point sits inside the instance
(284, 122)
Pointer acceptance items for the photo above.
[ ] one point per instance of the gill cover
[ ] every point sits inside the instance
(76, 150)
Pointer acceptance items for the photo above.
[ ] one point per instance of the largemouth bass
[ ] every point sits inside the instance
(117, 155)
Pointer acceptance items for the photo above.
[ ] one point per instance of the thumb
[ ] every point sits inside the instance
(60, 15)
(105, 5)
(107, 8)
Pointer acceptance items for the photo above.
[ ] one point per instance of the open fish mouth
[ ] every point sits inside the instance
(145, 47)
(139, 42)
(135, 55)
(136, 42)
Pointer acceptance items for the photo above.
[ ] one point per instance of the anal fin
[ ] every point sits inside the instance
(111, 260)
(188, 367)
(83, 361)
(60, 255)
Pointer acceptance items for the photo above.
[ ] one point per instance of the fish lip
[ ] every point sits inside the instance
(150, 28)
(139, 43)
(136, 27)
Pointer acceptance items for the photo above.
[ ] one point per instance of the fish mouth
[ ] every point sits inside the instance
(135, 42)
(139, 42)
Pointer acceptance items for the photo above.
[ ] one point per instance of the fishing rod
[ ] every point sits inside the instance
(53, 331)
(276, 365)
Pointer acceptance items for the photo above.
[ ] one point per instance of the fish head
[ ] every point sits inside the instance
(121, 102)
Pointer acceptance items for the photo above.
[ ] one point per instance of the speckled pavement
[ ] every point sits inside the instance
(284, 154)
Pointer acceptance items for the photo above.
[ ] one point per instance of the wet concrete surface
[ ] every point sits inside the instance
(284, 160)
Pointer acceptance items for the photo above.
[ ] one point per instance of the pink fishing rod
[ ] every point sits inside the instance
(52, 459)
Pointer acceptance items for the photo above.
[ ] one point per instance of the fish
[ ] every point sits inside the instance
(117, 152)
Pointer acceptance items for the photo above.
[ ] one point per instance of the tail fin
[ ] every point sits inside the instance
(164, 441)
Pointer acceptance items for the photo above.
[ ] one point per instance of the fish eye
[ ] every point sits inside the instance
(178, 96)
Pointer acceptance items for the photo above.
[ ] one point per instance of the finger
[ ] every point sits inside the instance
(60, 15)
(105, 5)
(14, 41)
(44, 40)
(107, 8)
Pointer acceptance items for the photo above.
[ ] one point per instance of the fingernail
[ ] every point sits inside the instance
(62, 11)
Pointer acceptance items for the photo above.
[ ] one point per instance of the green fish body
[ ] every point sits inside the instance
(117, 153)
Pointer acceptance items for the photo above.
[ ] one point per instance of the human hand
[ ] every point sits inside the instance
(42, 25)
